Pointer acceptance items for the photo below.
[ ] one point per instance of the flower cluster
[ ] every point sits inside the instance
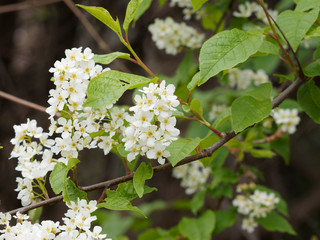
(216, 110)
(152, 127)
(253, 204)
(241, 79)
(172, 36)
(77, 225)
(187, 9)
(194, 176)
(248, 9)
(29, 143)
(71, 77)
(74, 129)
(288, 119)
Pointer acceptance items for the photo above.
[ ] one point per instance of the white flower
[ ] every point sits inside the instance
(288, 119)
(249, 224)
(194, 176)
(171, 36)
(158, 152)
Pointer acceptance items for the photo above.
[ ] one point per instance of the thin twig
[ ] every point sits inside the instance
(25, 5)
(22, 101)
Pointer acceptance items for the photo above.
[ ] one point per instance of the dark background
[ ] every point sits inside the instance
(33, 38)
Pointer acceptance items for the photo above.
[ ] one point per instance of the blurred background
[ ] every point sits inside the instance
(35, 33)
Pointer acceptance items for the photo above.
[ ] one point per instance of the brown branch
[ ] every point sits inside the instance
(204, 153)
(22, 101)
(25, 5)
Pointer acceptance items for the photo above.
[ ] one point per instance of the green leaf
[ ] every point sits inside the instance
(260, 92)
(197, 201)
(284, 78)
(205, 143)
(126, 190)
(282, 147)
(222, 190)
(198, 228)
(181, 148)
(225, 50)
(161, 2)
(225, 219)
(155, 234)
(222, 118)
(119, 204)
(113, 223)
(220, 158)
(275, 222)
(196, 106)
(58, 177)
(186, 69)
(72, 193)
(291, 104)
(143, 7)
(109, 58)
(132, 8)
(194, 81)
(109, 86)
(104, 16)
(35, 214)
(261, 153)
(312, 69)
(268, 47)
(222, 175)
(303, 5)
(196, 4)
(295, 24)
(309, 100)
(142, 173)
(247, 111)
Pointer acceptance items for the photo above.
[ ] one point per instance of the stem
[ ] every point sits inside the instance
(277, 39)
(102, 195)
(43, 189)
(75, 176)
(278, 134)
(126, 166)
(141, 64)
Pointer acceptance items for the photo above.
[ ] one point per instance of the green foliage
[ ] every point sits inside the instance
(58, 176)
(104, 16)
(309, 100)
(224, 219)
(197, 4)
(275, 222)
(181, 148)
(119, 204)
(282, 147)
(247, 111)
(109, 58)
(197, 201)
(198, 228)
(142, 173)
(225, 50)
(132, 8)
(71, 192)
(295, 24)
(109, 86)
(126, 190)
(143, 7)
